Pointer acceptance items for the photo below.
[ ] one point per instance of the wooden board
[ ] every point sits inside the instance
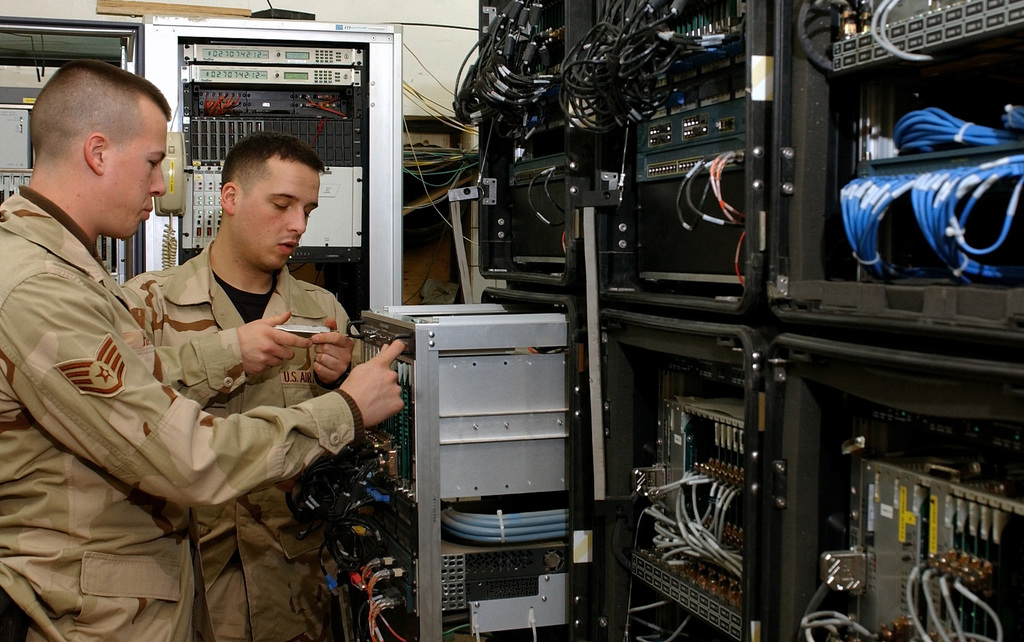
(129, 8)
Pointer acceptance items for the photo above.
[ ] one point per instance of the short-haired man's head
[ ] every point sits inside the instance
(86, 96)
(247, 160)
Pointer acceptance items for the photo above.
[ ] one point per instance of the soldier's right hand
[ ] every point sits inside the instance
(373, 385)
(263, 346)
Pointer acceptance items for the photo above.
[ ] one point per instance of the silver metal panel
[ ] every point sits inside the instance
(385, 169)
(502, 468)
(546, 609)
(428, 497)
(594, 349)
(410, 312)
(497, 332)
(489, 384)
(503, 427)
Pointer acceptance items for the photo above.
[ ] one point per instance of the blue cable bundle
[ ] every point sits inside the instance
(943, 202)
(937, 196)
(930, 128)
(1014, 117)
(864, 204)
(505, 529)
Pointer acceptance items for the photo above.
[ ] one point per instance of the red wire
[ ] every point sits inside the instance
(736, 262)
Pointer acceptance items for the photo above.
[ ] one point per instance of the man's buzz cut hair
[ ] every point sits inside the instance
(86, 96)
(247, 160)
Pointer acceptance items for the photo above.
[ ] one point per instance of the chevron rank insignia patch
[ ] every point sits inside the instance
(102, 376)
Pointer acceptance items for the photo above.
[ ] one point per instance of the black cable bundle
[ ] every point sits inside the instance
(329, 493)
(506, 83)
(613, 75)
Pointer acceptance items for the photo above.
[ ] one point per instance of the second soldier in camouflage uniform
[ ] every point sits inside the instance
(263, 583)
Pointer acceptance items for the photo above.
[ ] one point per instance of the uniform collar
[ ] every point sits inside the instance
(36, 218)
(195, 285)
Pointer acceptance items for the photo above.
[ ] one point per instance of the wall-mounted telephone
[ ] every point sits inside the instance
(173, 202)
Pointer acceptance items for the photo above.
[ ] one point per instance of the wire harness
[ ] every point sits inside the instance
(943, 202)
(615, 74)
(328, 495)
(514, 69)
(500, 528)
(693, 525)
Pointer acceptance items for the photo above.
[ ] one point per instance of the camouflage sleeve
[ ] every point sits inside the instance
(81, 367)
(198, 369)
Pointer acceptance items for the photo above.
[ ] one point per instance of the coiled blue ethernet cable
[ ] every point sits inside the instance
(926, 129)
(943, 202)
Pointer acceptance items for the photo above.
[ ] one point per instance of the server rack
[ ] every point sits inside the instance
(887, 257)
(336, 86)
(529, 231)
(889, 480)
(485, 432)
(583, 575)
(684, 420)
(691, 230)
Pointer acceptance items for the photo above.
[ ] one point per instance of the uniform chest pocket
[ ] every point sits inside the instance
(298, 385)
(106, 575)
(140, 343)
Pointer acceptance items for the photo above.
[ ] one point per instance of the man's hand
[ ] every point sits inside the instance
(333, 354)
(264, 346)
(373, 385)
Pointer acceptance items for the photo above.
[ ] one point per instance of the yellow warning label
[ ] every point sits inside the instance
(933, 524)
(907, 518)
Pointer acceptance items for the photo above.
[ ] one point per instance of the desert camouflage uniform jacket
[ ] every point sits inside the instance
(285, 589)
(100, 459)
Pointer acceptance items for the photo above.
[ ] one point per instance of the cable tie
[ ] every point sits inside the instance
(959, 272)
(501, 526)
(877, 259)
(960, 134)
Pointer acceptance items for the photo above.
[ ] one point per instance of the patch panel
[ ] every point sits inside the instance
(932, 33)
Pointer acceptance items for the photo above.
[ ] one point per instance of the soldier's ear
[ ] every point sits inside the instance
(229, 197)
(95, 151)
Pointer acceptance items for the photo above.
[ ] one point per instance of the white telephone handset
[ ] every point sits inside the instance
(173, 202)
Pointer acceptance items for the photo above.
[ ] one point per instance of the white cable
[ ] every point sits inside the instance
(933, 614)
(911, 599)
(954, 613)
(969, 594)
(645, 607)
(878, 24)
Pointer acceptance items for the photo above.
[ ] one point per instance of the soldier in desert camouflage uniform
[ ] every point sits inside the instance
(99, 457)
(262, 582)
